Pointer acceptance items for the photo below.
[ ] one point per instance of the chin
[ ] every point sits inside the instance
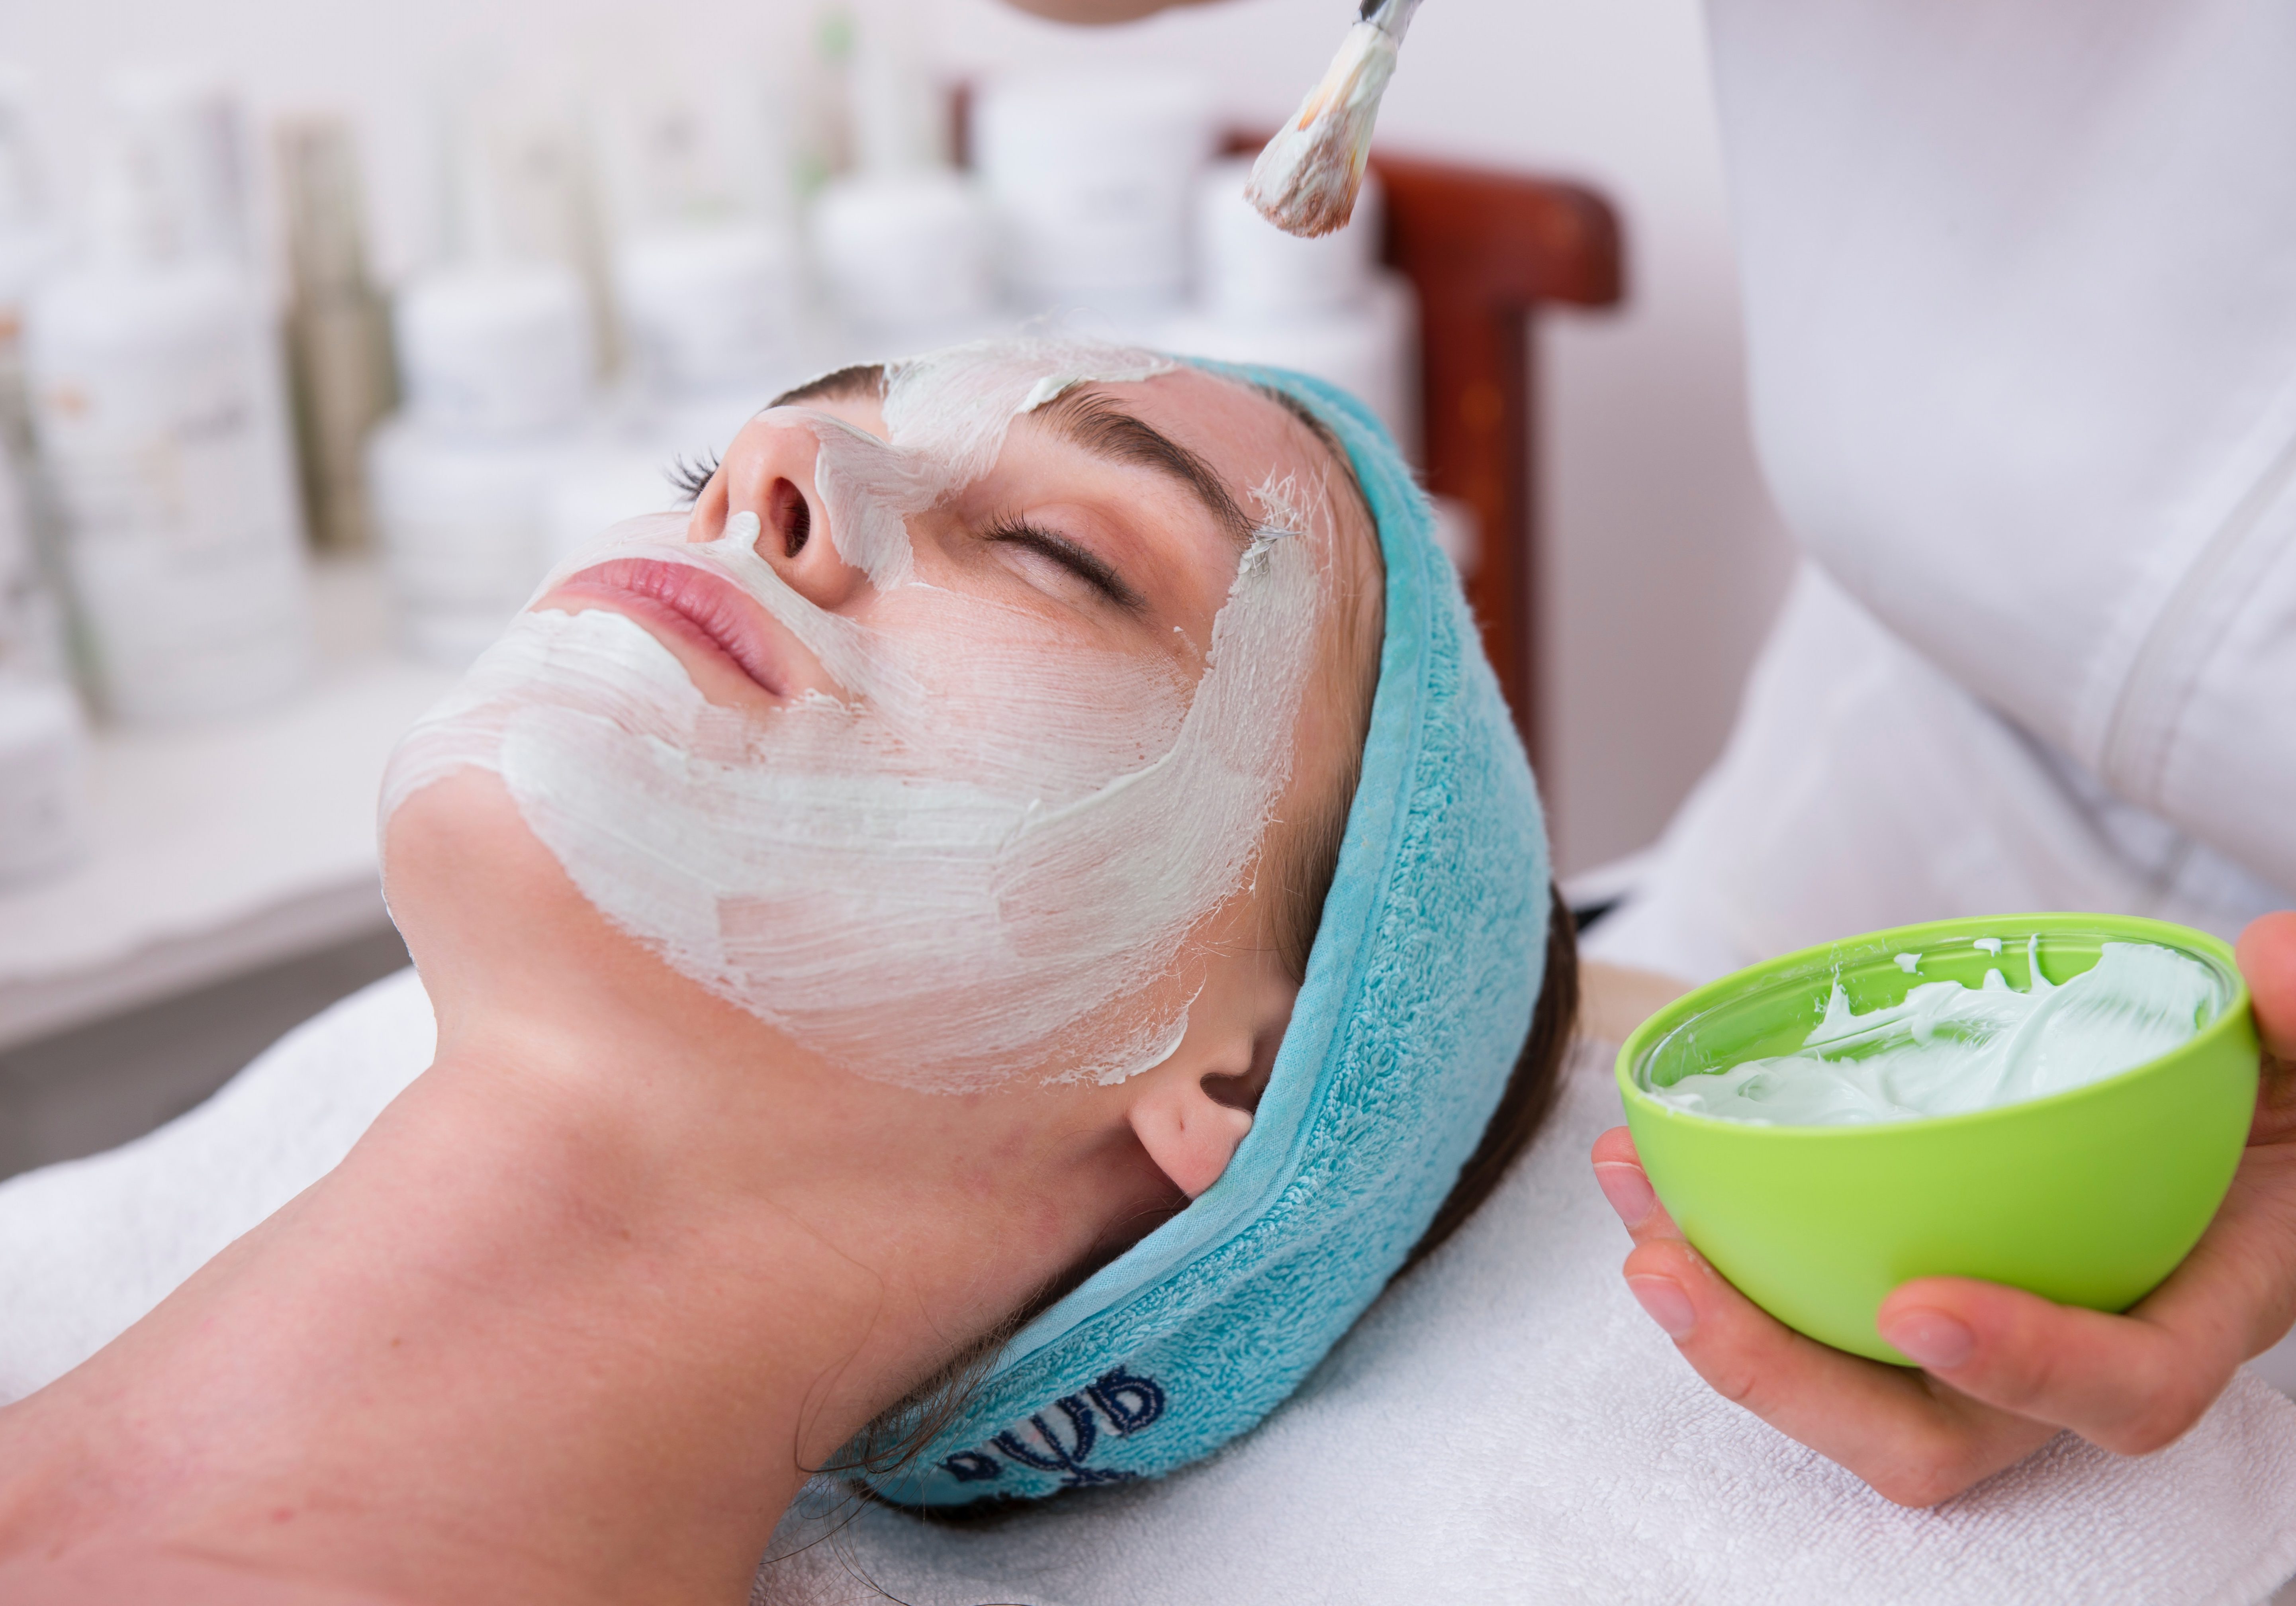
(482, 904)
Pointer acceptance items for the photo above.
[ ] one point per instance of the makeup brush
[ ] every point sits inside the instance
(1305, 181)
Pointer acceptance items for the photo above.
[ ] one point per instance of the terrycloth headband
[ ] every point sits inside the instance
(1418, 995)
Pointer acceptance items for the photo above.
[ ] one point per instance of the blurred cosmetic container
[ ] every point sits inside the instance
(29, 247)
(706, 274)
(710, 293)
(903, 242)
(156, 399)
(1323, 306)
(206, 153)
(338, 327)
(42, 779)
(31, 624)
(496, 362)
(709, 308)
(1091, 176)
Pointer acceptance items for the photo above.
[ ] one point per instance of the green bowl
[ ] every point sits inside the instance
(2089, 1197)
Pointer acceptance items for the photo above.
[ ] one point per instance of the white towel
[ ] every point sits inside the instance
(1505, 1425)
(88, 1246)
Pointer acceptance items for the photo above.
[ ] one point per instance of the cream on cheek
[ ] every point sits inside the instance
(985, 858)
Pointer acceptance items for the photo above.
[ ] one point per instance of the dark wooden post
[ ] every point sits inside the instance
(1484, 250)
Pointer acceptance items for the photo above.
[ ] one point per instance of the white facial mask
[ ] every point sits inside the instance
(983, 858)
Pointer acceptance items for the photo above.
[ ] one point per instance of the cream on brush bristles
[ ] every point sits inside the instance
(1305, 181)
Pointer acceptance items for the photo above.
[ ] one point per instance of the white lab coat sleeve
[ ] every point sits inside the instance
(1863, 787)
(2021, 299)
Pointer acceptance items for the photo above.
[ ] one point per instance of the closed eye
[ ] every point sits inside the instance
(1082, 562)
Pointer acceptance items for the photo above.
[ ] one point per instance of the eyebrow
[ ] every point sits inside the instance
(1091, 420)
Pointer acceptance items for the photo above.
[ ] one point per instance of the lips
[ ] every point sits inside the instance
(695, 605)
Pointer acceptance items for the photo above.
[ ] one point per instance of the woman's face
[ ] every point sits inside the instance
(943, 736)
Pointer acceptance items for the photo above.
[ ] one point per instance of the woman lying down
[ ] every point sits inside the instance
(966, 964)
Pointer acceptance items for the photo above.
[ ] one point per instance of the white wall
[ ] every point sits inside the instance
(1665, 561)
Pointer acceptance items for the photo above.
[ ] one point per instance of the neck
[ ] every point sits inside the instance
(568, 1318)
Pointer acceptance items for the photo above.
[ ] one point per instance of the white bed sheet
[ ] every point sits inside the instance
(1505, 1425)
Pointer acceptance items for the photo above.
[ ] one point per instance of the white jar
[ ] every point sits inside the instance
(42, 779)
(906, 257)
(462, 521)
(496, 365)
(29, 247)
(710, 308)
(497, 349)
(155, 382)
(1091, 176)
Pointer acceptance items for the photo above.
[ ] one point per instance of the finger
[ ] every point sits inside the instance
(2118, 1381)
(1618, 1173)
(2131, 1383)
(1915, 1441)
(2267, 961)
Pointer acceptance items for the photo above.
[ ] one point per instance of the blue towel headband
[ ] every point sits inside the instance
(1418, 995)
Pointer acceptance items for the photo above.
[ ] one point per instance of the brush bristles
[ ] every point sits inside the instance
(1305, 182)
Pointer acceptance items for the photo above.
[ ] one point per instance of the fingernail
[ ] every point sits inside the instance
(1668, 1305)
(1628, 1190)
(1931, 1337)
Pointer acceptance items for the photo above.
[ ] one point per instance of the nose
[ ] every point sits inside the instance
(768, 470)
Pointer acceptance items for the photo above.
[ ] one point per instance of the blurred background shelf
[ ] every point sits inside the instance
(192, 875)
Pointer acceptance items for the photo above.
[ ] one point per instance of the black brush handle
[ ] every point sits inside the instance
(1391, 16)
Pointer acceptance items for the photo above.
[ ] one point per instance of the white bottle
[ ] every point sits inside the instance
(710, 308)
(156, 393)
(906, 260)
(905, 243)
(28, 249)
(206, 154)
(497, 365)
(1092, 175)
(31, 625)
(42, 779)
(337, 326)
(706, 277)
(1323, 306)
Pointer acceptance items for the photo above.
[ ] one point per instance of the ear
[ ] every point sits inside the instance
(1190, 1135)
(1191, 1112)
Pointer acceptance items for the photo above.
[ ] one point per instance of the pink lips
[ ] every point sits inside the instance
(697, 605)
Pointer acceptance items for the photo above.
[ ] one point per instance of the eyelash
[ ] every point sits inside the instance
(1086, 566)
(689, 479)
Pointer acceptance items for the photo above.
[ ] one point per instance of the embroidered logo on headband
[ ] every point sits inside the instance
(1128, 1402)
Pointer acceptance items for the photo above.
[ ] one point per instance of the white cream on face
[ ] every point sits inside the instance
(981, 859)
(1949, 1049)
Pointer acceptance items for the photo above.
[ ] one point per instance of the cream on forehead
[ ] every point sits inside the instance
(986, 856)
